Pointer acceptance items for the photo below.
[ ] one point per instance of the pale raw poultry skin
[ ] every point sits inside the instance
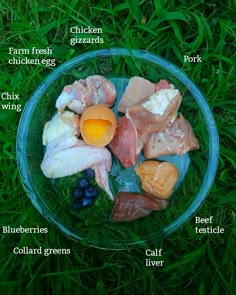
(67, 155)
(68, 122)
(83, 93)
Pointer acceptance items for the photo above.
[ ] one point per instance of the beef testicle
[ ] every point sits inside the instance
(158, 178)
(131, 206)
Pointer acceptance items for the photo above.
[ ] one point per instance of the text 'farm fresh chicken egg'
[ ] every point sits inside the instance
(98, 125)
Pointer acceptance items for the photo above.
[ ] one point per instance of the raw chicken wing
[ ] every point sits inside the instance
(67, 155)
(68, 122)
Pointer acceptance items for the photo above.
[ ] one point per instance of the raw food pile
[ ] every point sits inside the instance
(86, 137)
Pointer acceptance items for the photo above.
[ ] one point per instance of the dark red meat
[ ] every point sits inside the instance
(131, 206)
(125, 142)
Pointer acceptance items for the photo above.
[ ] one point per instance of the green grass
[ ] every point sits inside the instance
(194, 264)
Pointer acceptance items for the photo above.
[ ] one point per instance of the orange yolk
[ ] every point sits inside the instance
(97, 129)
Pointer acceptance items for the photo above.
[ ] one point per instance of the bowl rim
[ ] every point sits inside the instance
(213, 153)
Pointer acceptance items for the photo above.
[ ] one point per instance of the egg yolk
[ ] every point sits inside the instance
(97, 128)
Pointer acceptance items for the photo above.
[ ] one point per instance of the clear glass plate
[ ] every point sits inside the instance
(197, 168)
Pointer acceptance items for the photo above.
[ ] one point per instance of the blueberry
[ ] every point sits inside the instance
(77, 193)
(89, 173)
(76, 206)
(83, 183)
(85, 203)
(90, 192)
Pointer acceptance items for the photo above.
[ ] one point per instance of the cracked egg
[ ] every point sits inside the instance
(98, 125)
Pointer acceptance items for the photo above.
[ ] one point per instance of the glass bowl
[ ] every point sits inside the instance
(52, 197)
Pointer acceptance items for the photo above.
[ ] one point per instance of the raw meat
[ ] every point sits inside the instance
(157, 112)
(177, 138)
(163, 84)
(157, 178)
(67, 122)
(131, 206)
(67, 155)
(83, 93)
(125, 142)
(136, 92)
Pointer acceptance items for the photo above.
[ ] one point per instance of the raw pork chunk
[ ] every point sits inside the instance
(178, 139)
(163, 84)
(136, 92)
(155, 114)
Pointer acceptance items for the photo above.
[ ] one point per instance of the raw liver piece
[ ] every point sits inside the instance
(178, 139)
(125, 142)
(155, 114)
(131, 206)
(136, 92)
